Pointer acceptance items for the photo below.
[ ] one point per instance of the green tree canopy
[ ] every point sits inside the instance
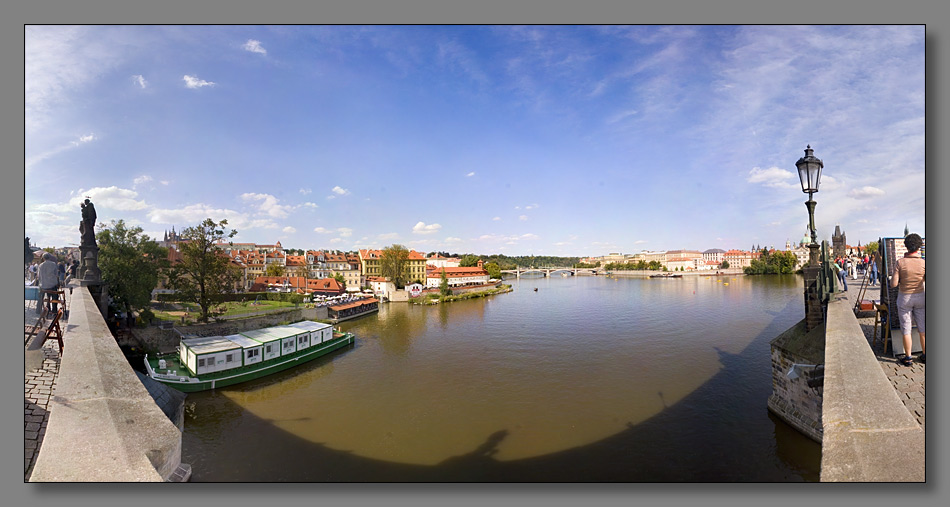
(493, 270)
(275, 269)
(339, 278)
(204, 272)
(468, 261)
(444, 285)
(772, 263)
(393, 263)
(131, 264)
(27, 251)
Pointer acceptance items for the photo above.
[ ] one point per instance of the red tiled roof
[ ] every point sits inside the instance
(354, 304)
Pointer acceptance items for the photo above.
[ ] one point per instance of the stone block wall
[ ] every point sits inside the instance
(792, 400)
(154, 339)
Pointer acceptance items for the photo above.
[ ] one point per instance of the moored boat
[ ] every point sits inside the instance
(666, 275)
(203, 363)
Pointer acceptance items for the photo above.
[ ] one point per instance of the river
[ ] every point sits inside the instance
(585, 379)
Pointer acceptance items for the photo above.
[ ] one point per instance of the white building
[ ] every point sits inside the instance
(457, 277)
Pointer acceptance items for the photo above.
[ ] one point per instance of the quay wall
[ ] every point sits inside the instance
(103, 424)
(156, 339)
(868, 433)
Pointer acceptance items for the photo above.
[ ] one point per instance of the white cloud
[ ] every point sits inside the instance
(196, 213)
(470, 174)
(532, 206)
(268, 204)
(336, 240)
(113, 197)
(305, 191)
(450, 239)
(289, 230)
(771, 177)
(59, 149)
(388, 236)
(140, 80)
(866, 193)
(193, 82)
(322, 230)
(641, 241)
(340, 191)
(422, 228)
(345, 231)
(254, 46)
(523, 218)
(141, 180)
(310, 205)
(528, 236)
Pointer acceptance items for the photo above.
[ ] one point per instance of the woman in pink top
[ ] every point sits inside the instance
(909, 278)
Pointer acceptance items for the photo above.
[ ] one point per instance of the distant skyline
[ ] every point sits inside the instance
(544, 140)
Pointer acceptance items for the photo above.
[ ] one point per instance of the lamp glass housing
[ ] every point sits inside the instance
(809, 171)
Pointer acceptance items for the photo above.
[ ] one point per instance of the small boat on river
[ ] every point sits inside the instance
(207, 362)
(666, 275)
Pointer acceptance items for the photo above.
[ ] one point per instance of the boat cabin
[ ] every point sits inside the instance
(209, 354)
(270, 343)
(302, 336)
(318, 331)
(251, 349)
(288, 338)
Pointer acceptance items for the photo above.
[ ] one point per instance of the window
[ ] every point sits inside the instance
(201, 362)
(229, 358)
(269, 348)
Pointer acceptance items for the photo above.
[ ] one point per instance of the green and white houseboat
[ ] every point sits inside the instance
(203, 363)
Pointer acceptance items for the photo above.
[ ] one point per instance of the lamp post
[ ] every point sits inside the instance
(809, 172)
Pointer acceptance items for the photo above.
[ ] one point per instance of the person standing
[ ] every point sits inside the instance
(48, 275)
(909, 278)
(842, 273)
(872, 267)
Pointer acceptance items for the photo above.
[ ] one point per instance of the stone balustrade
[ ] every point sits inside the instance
(103, 424)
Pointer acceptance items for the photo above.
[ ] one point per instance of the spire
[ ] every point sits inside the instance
(906, 230)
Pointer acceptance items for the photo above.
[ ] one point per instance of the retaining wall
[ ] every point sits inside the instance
(155, 339)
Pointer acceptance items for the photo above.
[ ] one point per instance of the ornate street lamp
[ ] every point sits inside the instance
(809, 172)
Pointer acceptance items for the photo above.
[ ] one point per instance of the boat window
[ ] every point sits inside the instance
(201, 362)
(229, 358)
(270, 349)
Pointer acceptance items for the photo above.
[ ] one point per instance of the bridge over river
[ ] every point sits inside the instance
(551, 270)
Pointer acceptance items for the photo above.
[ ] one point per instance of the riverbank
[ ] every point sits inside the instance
(436, 298)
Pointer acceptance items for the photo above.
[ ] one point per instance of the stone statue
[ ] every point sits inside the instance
(88, 225)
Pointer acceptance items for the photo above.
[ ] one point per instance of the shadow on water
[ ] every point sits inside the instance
(716, 445)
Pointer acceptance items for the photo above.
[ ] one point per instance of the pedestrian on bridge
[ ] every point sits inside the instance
(909, 278)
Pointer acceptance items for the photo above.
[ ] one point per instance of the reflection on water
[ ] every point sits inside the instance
(605, 373)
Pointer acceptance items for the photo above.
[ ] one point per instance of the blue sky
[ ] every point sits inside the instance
(546, 140)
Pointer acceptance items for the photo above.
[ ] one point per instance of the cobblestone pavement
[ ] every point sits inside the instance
(909, 381)
(38, 387)
(39, 384)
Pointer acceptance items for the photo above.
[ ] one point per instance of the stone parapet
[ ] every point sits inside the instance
(103, 424)
(869, 435)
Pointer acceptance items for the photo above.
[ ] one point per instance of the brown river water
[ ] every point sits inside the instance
(587, 379)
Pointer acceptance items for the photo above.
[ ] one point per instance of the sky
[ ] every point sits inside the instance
(516, 140)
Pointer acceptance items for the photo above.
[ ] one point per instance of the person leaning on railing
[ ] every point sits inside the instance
(909, 278)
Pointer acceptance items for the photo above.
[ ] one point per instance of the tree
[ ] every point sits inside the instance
(339, 278)
(468, 261)
(204, 272)
(27, 251)
(393, 263)
(493, 270)
(444, 285)
(275, 269)
(871, 248)
(131, 264)
(725, 265)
